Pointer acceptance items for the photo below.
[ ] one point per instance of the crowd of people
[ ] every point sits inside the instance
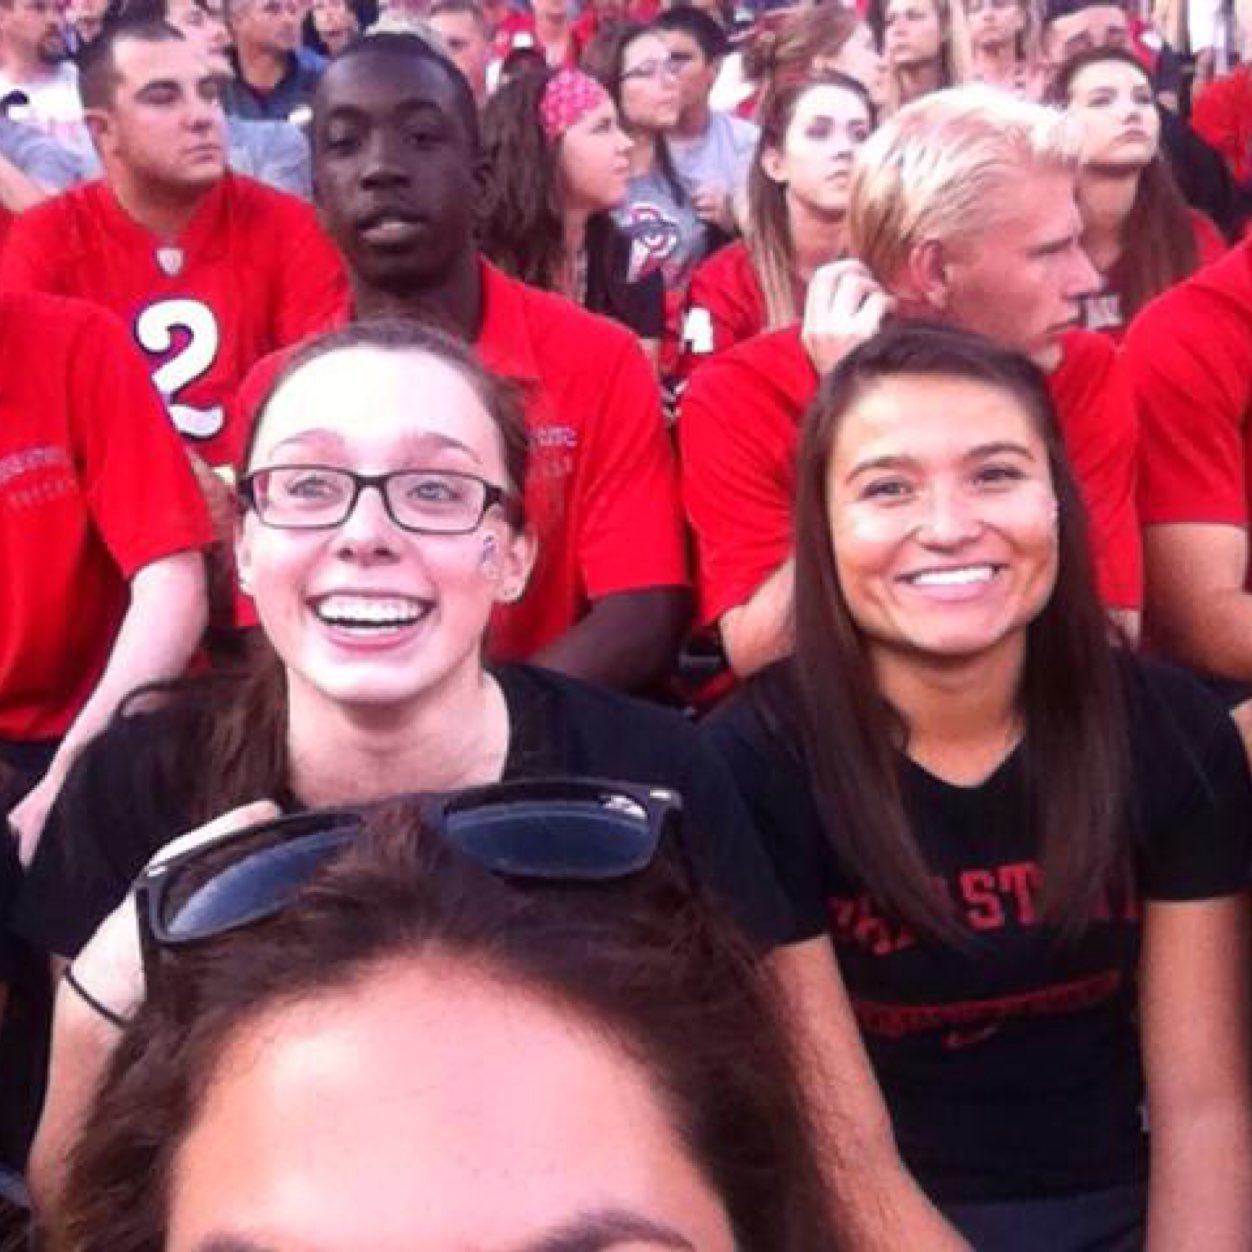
(625, 626)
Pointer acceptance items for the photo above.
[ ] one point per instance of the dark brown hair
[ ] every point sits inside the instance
(228, 729)
(785, 52)
(97, 63)
(1158, 242)
(768, 233)
(603, 60)
(1076, 763)
(643, 958)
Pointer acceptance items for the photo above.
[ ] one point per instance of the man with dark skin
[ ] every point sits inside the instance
(396, 168)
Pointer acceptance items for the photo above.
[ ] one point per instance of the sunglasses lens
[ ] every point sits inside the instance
(576, 839)
(208, 900)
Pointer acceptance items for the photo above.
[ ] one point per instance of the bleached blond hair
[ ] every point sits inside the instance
(940, 168)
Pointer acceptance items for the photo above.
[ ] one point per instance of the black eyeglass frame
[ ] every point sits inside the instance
(493, 494)
(656, 810)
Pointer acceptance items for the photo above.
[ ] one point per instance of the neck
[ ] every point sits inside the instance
(962, 715)
(453, 303)
(261, 69)
(575, 240)
(816, 238)
(1106, 198)
(455, 737)
(918, 80)
(995, 62)
(24, 69)
(693, 122)
(551, 28)
(165, 213)
(642, 152)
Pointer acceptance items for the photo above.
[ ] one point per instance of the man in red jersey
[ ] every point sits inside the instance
(101, 526)
(962, 210)
(211, 271)
(395, 155)
(1189, 356)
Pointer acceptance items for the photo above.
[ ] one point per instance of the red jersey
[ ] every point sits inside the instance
(251, 273)
(94, 485)
(601, 489)
(725, 306)
(740, 422)
(1222, 116)
(1102, 310)
(1189, 357)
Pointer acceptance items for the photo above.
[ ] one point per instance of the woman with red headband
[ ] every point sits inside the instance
(558, 162)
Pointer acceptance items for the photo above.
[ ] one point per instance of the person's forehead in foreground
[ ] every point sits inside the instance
(432, 1106)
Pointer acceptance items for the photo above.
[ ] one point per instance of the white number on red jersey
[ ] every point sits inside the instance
(154, 328)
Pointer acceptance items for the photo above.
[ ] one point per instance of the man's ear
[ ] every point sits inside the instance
(928, 272)
(99, 125)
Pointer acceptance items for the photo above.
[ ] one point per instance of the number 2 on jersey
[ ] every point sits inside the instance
(154, 329)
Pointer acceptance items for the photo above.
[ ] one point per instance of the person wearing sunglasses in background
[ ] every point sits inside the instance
(381, 525)
(420, 1031)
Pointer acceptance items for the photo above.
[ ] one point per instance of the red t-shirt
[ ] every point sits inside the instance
(251, 273)
(1222, 116)
(739, 425)
(1189, 357)
(725, 306)
(602, 488)
(94, 485)
(1102, 310)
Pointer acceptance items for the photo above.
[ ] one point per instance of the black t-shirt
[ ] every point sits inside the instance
(639, 304)
(123, 801)
(1011, 1068)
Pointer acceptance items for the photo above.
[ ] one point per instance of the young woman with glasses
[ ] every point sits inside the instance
(665, 232)
(428, 1042)
(380, 525)
(1029, 850)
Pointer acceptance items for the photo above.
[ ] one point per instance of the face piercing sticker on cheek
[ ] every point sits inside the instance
(487, 561)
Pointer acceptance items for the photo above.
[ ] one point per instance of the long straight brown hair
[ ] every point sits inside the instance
(1076, 761)
(1158, 242)
(768, 236)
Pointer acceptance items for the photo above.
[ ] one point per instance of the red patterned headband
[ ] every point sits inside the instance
(569, 96)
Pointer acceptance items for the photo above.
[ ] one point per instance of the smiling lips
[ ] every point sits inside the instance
(371, 613)
(955, 582)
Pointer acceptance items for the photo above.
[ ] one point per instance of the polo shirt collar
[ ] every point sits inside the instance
(504, 344)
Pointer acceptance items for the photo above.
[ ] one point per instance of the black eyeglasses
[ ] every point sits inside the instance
(321, 497)
(567, 830)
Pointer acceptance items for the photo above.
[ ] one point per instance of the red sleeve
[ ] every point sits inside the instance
(725, 288)
(632, 534)
(1222, 116)
(311, 287)
(1100, 427)
(737, 433)
(1190, 362)
(33, 257)
(1210, 245)
(138, 481)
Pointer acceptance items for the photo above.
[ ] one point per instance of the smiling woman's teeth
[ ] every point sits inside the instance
(368, 611)
(953, 577)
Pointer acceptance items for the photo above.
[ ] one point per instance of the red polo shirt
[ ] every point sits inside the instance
(601, 488)
(251, 273)
(1189, 357)
(738, 429)
(94, 485)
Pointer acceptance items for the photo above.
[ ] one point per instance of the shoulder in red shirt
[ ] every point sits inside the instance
(725, 306)
(1222, 116)
(1189, 356)
(94, 485)
(251, 273)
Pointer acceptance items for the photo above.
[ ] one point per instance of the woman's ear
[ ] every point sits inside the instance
(773, 166)
(515, 555)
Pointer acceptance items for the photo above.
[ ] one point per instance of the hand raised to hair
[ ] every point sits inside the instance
(712, 204)
(110, 966)
(844, 307)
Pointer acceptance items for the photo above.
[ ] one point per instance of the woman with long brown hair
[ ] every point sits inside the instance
(1030, 850)
(1004, 45)
(926, 43)
(797, 214)
(418, 1029)
(1139, 232)
(380, 525)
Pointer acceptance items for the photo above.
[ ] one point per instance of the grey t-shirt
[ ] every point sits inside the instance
(665, 234)
(721, 156)
(40, 157)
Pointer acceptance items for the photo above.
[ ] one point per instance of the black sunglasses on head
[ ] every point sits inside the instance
(564, 830)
